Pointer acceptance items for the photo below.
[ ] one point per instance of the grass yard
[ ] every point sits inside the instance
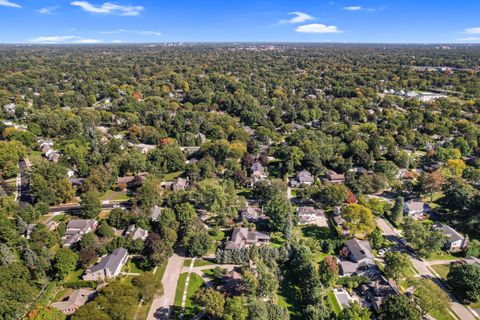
(201, 263)
(145, 307)
(112, 195)
(172, 176)
(333, 302)
(441, 269)
(195, 283)
(133, 266)
(218, 236)
(180, 289)
(441, 256)
(441, 315)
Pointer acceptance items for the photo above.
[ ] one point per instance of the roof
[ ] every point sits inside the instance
(414, 205)
(111, 261)
(304, 176)
(156, 211)
(358, 250)
(452, 234)
(242, 236)
(257, 166)
(333, 176)
(77, 299)
(81, 224)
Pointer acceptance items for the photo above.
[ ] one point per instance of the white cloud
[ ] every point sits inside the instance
(353, 8)
(109, 8)
(470, 39)
(299, 17)
(475, 30)
(7, 3)
(144, 32)
(48, 10)
(86, 41)
(63, 39)
(317, 28)
(117, 41)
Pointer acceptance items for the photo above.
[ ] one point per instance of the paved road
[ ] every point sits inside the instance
(424, 270)
(162, 305)
(72, 208)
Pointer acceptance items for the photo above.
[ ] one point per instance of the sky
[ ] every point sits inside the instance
(149, 21)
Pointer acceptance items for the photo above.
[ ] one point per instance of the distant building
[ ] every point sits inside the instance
(311, 215)
(77, 299)
(155, 214)
(303, 178)
(242, 237)
(76, 228)
(334, 177)
(359, 255)
(429, 97)
(108, 267)
(455, 241)
(180, 184)
(250, 213)
(257, 169)
(136, 233)
(414, 208)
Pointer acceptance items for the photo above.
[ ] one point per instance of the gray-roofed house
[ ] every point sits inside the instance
(242, 237)
(455, 241)
(311, 215)
(74, 301)
(334, 177)
(360, 258)
(136, 233)
(108, 267)
(304, 178)
(257, 169)
(250, 213)
(414, 208)
(76, 228)
(156, 212)
(378, 290)
(180, 184)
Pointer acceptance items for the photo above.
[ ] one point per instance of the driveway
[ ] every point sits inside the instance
(424, 270)
(162, 305)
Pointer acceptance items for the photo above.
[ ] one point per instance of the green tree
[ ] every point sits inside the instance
(397, 210)
(147, 286)
(65, 262)
(213, 302)
(430, 297)
(359, 219)
(199, 243)
(333, 194)
(355, 312)
(278, 210)
(235, 308)
(90, 205)
(397, 265)
(328, 271)
(465, 280)
(399, 307)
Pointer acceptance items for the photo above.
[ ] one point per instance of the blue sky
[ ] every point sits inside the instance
(127, 21)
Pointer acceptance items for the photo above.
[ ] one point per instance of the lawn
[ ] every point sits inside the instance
(112, 195)
(441, 256)
(333, 302)
(180, 289)
(133, 266)
(196, 282)
(442, 269)
(172, 176)
(316, 235)
(62, 294)
(47, 294)
(441, 315)
(201, 263)
(218, 236)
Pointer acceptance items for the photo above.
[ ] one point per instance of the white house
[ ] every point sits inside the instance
(455, 241)
(414, 208)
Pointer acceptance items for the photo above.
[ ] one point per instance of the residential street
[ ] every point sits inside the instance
(161, 305)
(422, 267)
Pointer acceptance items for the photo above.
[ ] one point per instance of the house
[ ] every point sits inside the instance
(378, 290)
(155, 215)
(123, 182)
(242, 237)
(311, 215)
(136, 233)
(257, 169)
(334, 177)
(303, 178)
(359, 255)
(455, 241)
(429, 97)
(76, 228)
(180, 184)
(77, 299)
(10, 108)
(414, 208)
(108, 267)
(250, 213)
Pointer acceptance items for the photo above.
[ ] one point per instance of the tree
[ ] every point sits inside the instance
(465, 280)
(328, 271)
(235, 308)
(430, 297)
(359, 219)
(16, 290)
(147, 286)
(65, 262)
(49, 183)
(397, 265)
(90, 205)
(376, 239)
(333, 194)
(198, 243)
(399, 307)
(397, 210)
(149, 194)
(431, 182)
(355, 312)
(278, 209)
(423, 237)
(104, 230)
(46, 314)
(213, 302)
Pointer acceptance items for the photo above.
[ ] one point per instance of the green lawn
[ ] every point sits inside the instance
(441, 256)
(180, 289)
(441, 315)
(475, 305)
(115, 196)
(195, 283)
(217, 236)
(201, 263)
(442, 269)
(74, 276)
(132, 266)
(172, 176)
(333, 302)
